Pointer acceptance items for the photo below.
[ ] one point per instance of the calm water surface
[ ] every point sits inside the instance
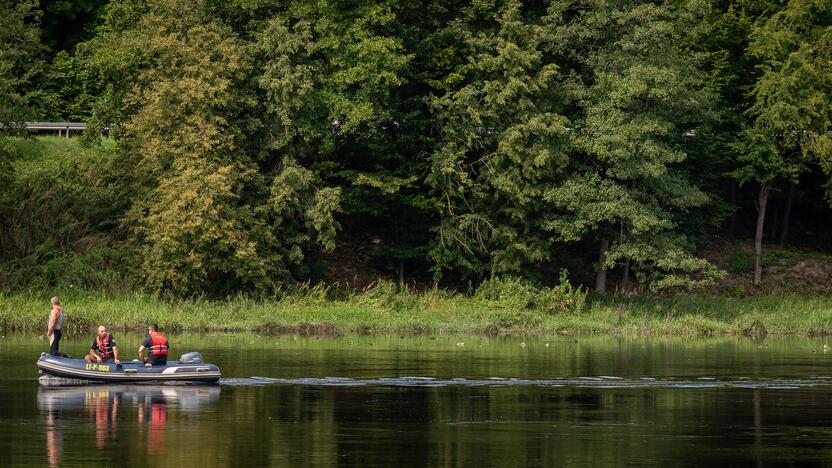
(434, 401)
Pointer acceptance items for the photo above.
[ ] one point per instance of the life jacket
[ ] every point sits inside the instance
(105, 346)
(158, 344)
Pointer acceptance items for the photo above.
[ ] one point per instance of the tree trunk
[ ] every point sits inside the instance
(625, 282)
(601, 277)
(787, 214)
(758, 237)
(732, 226)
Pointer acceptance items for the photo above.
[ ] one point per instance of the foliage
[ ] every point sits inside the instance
(198, 212)
(20, 63)
(328, 76)
(386, 295)
(255, 141)
(638, 91)
(518, 295)
(69, 22)
(792, 99)
(72, 89)
(741, 262)
(60, 205)
(502, 144)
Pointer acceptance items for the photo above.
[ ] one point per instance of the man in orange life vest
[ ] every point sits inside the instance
(157, 346)
(103, 347)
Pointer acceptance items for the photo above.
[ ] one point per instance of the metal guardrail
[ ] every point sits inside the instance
(63, 128)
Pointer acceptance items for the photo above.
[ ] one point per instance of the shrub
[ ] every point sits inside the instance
(507, 292)
(562, 298)
(386, 295)
(61, 208)
(741, 263)
(49, 266)
(518, 294)
(736, 290)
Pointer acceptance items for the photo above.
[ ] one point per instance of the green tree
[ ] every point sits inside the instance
(68, 85)
(72, 88)
(720, 33)
(502, 142)
(791, 102)
(333, 84)
(66, 23)
(638, 94)
(20, 63)
(20, 48)
(204, 217)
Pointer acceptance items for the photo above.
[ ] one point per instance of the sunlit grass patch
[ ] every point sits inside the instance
(394, 311)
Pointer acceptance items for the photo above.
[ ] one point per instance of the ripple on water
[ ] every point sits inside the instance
(582, 382)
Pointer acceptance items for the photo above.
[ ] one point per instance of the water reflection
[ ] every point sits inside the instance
(587, 402)
(54, 439)
(103, 405)
(157, 409)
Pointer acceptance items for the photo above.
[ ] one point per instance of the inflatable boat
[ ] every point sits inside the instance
(189, 368)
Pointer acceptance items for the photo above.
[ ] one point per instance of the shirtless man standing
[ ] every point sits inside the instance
(56, 321)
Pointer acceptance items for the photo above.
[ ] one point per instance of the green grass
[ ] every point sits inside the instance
(54, 149)
(313, 312)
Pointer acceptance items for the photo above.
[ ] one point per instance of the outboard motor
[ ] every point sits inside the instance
(191, 358)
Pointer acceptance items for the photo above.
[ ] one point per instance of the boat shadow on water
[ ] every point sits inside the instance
(109, 405)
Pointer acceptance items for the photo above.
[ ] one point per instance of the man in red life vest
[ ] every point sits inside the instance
(157, 346)
(103, 347)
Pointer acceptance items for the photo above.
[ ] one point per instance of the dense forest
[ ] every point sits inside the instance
(248, 145)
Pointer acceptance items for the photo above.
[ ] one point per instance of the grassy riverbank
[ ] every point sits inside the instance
(430, 312)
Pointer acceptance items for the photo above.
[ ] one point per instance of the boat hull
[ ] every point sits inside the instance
(127, 372)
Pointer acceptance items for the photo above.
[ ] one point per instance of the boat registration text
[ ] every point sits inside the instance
(98, 367)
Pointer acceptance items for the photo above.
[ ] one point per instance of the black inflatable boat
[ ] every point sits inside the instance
(190, 368)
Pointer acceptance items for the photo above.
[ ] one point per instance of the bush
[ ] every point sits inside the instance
(48, 266)
(508, 292)
(62, 205)
(736, 290)
(386, 295)
(741, 263)
(518, 294)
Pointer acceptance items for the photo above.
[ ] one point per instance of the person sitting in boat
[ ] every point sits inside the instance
(103, 347)
(157, 346)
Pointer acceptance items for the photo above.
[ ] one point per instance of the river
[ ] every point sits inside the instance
(433, 401)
